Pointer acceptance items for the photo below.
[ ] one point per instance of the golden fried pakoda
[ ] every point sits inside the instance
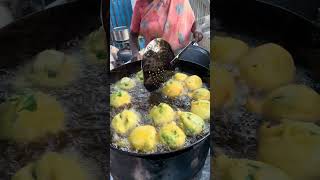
(125, 121)
(162, 114)
(120, 98)
(180, 76)
(96, 47)
(293, 146)
(267, 67)
(172, 136)
(140, 76)
(54, 166)
(144, 138)
(200, 94)
(126, 83)
(50, 68)
(191, 123)
(227, 50)
(173, 88)
(30, 116)
(236, 169)
(193, 82)
(223, 87)
(201, 108)
(295, 102)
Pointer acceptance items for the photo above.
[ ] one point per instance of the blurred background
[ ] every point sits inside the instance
(14, 9)
(121, 14)
(120, 20)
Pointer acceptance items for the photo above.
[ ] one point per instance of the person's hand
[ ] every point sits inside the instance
(198, 36)
(137, 56)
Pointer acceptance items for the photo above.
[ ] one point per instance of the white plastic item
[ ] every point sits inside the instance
(5, 15)
(114, 52)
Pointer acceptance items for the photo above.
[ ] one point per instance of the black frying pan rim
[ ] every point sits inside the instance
(286, 10)
(135, 154)
(310, 26)
(186, 148)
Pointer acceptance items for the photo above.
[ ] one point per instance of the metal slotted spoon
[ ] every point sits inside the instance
(158, 63)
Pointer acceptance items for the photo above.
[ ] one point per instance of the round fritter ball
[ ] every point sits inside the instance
(223, 87)
(173, 88)
(51, 59)
(162, 114)
(96, 47)
(228, 50)
(50, 68)
(193, 82)
(144, 138)
(180, 77)
(293, 146)
(295, 102)
(191, 123)
(126, 83)
(200, 94)
(125, 121)
(201, 108)
(30, 117)
(267, 67)
(140, 76)
(236, 169)
(172, 136)
(120, 98)
(54, 166)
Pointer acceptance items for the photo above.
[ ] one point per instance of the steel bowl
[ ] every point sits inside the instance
(121, 33)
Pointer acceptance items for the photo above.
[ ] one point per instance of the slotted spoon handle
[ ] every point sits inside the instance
(176, 58)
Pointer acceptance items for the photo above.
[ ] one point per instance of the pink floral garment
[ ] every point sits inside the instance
(171, 20)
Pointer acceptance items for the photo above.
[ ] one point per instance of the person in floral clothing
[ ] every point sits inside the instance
(171, 20)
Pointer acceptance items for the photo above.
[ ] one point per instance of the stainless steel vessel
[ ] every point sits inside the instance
(120, 33)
